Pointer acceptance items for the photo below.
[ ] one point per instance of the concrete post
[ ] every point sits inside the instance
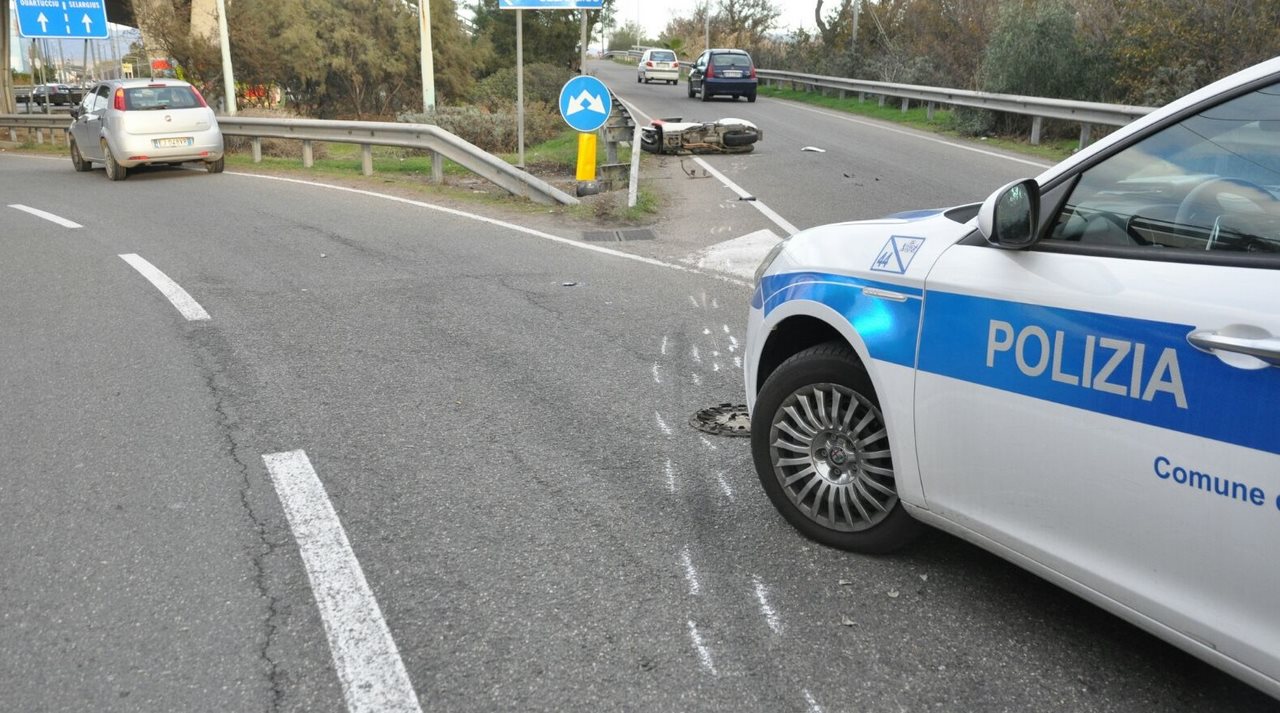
(308, 157)
(366, 159)
(1036, 124)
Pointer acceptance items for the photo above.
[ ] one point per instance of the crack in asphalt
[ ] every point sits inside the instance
(216, 384)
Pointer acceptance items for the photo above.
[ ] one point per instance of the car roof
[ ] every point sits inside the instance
(144, 82)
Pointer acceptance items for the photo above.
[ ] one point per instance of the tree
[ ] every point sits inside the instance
(334, 57)
(1036, 50)
(746, 21)
(627, 36)
(836, 28)
(675, 44)
(1163, 50)
(550, 36)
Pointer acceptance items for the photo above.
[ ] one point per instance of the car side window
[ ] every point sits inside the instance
(1208, 183)
(100, 99)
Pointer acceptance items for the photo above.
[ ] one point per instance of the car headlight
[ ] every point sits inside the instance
(767, 261)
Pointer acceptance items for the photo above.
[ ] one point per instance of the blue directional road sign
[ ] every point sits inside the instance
(550, 4)
(77, 19)
(585, 103)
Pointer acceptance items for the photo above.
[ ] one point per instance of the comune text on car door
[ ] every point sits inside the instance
(1102, 406)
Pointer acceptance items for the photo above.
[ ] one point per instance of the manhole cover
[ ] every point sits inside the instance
(618, 236)
(723, 420)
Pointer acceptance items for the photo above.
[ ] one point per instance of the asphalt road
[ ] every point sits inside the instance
(499, 420)
(864, 169)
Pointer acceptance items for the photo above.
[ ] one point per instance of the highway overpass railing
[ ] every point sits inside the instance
(366, 134)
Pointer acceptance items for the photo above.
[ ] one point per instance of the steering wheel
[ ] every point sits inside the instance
(1204, 205)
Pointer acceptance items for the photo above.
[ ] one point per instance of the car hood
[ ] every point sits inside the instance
(894, 250)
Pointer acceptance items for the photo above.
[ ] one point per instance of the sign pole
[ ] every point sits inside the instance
(228, 80)
(427, 59)
(520, 85)
(582, 60)
(586, 157)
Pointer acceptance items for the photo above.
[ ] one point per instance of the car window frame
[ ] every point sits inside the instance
(1055, 192)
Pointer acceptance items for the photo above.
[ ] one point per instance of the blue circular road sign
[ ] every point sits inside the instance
(585, 103)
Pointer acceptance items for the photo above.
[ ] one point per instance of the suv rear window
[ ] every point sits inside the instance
(663, 56)
(731, 60)
(159, 98)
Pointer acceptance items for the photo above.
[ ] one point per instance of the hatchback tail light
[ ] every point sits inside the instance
(648, 64)
(711, 70)
(675, 65)
(753, 71)
(200, 97)
(119, 99)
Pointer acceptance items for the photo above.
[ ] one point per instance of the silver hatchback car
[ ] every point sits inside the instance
(123, 123)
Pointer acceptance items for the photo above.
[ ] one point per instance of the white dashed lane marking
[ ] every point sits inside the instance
(704, 653)
(368, 664)
(46, 215)
(690, 573)
(770, 615)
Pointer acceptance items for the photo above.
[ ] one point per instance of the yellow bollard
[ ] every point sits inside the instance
(587, 156)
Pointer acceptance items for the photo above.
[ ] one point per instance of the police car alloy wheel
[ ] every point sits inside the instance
(822, 453)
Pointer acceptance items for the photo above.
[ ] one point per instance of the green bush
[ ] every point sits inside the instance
(542, 83)
(495, 131)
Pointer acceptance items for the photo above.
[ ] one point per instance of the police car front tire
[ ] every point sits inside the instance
(821, 450)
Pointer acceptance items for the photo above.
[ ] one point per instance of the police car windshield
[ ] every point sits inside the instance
(1240, 138)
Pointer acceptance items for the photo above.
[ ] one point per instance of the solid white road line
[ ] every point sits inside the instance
(170, 289)
(368, 663)
(47, 216)
(758, 204)
(502, 224)
(918, 135)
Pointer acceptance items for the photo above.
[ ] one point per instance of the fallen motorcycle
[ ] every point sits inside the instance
(673, 136)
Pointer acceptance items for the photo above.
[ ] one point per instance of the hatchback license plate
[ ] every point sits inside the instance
(171, 143)
(732, 73)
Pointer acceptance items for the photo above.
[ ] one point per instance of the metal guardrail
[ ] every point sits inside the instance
(366, 134)
(1086, 113)
(37, 124)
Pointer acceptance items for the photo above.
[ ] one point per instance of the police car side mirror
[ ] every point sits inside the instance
(1009, 218)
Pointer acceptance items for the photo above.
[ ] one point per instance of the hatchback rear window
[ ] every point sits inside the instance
(731, 60)
(159, 98)
(662, 56)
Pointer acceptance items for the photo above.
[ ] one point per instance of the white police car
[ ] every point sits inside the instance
(1078, 375)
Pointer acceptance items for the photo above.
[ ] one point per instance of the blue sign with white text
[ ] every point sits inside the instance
(75, 19)
(551, 4)
(585, 103)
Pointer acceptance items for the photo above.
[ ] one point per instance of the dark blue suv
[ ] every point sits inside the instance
(723, 71)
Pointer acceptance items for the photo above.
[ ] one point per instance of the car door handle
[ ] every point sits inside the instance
(1266, 349)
